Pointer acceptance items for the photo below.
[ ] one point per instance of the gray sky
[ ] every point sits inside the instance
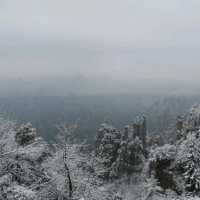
(124, 39)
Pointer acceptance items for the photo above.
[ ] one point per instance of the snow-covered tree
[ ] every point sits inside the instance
(188, 161)
(67, 138)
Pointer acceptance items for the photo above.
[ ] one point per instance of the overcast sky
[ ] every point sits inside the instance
(117, 38)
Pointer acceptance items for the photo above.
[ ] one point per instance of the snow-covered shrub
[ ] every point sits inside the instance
(7, 135)
(166, 152)
(18, 192)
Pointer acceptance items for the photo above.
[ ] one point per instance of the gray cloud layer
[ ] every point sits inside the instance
(124, 39)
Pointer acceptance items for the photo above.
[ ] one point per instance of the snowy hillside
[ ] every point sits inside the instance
(122, 165)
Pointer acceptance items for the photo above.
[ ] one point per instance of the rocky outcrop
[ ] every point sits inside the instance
(121, 152)
(177, 166)
(26, 134)
(161, 167)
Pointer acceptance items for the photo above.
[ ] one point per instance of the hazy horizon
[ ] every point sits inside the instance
(121, 41)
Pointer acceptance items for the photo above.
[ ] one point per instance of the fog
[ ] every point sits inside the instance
(99, 99)
(106, 45)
